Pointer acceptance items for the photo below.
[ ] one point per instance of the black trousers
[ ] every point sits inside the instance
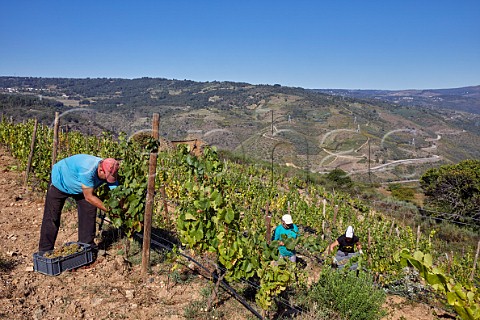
(54, 203)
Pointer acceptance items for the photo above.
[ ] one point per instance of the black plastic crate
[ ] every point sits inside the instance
(55, 266)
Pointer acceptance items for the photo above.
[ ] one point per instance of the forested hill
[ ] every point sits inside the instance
(294, 126)
(460, 99)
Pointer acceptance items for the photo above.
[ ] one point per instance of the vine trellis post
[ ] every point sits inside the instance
(324, 201)
(55, 138)
(147, 221)
(30, 156)
(475, 262)
(268, 219)
(418, 236)
(369, 245)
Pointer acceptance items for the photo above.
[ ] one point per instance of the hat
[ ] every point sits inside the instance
(110, 167)
(349, 232)
(287, 219)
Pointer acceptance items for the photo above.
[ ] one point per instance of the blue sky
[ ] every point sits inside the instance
(312, 44)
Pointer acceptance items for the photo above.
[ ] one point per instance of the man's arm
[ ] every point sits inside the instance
(92, 198)
(332, 246)
(359, 247)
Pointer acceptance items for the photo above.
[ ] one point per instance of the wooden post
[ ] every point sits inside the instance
(268, 220)
(272, 122)
(323, 229)
(369, 243)
(335, 211)
(147, 221)
(475, 262)
(67, 143)
(55, 138)
(391, 228)
(450, 262)
(418, 236)
(30, 156)
(163, 193)
(324, 207)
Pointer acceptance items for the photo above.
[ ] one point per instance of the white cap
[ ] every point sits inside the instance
(349, 232)
(287, 219)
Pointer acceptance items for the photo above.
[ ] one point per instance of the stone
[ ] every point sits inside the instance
(129, 294)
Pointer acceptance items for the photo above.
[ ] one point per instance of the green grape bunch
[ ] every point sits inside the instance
(64, 251)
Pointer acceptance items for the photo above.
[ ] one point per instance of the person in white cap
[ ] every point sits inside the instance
(289, 229)
(347, 243)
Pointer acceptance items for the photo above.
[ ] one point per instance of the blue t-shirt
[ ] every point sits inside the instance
(291, 233)
(69, 174)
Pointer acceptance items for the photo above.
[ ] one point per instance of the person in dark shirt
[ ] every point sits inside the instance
(346, 246)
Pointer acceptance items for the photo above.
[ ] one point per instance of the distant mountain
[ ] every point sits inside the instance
(375, 135)
(461, 99)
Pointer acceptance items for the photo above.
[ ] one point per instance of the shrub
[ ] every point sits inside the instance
(404, 194)
(348, 294)
(340, 179)
(401, 193)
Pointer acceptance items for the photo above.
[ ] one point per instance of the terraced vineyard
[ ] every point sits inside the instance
(215, 207)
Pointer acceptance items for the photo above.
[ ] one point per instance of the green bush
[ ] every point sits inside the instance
(350, 295)
(339, 179)
(401, 193)
(404, 194)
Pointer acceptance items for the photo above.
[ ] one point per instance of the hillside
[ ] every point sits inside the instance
(199, 191)
(111, 287)
(371, 139)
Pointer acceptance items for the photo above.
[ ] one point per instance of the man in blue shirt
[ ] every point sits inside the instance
(289, 229)
(76, 177)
